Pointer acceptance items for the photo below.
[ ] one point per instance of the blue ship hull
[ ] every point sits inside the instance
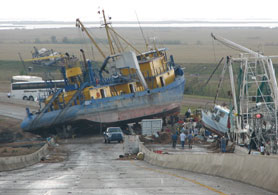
(128, 107)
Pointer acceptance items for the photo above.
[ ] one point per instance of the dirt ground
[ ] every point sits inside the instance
(8, 124)
(57, 154)
(5, 86)
(11, 151)
(13, 141)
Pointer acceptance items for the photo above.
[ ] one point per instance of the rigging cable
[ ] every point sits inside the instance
(214, 50)
(116, 41)
(219, 63)
(146, 43)
(83, 42)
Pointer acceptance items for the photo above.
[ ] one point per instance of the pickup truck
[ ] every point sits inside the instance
(113, 134)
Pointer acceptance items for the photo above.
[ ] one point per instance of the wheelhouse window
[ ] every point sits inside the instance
(102, 92)
(131, 87)
(162, 81)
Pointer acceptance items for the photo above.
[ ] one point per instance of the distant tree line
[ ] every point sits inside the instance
(66, 40)
(171, 42)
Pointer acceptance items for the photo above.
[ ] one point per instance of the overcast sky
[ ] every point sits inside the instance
(124, 10)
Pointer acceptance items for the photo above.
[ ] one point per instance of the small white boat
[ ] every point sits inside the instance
(217, 120)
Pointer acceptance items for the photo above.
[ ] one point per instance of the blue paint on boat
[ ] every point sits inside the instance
(96, 108)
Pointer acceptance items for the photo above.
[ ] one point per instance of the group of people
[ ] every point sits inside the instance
(264, 148)
(183, 137)
(184, 129)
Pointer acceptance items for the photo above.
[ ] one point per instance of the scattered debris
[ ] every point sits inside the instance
(140, 156)
(128, 157)
(17, 151)
(56, 155)
(163, 138)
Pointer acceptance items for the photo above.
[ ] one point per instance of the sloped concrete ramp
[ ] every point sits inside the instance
(260, 171)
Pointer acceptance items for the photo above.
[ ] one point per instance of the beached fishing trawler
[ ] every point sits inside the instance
(126, 88)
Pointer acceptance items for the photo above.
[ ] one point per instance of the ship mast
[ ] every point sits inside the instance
(112, 50)
(111, 34)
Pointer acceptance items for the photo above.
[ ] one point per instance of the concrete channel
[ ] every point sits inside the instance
(260, 171)
(19, 162)
(92, 168)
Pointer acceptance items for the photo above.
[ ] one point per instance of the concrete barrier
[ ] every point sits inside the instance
(260, 171)
(131, 144)
(18, 162)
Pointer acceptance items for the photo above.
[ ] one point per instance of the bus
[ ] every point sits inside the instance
(25, 78)
(35, 90)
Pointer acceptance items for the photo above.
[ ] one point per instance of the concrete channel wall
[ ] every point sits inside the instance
(18, 162)
(260, 171)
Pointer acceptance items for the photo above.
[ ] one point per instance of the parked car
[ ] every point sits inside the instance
(113, 134)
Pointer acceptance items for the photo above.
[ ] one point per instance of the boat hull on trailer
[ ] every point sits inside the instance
(116, 109)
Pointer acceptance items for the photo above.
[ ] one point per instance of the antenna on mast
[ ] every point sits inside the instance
(146, 43)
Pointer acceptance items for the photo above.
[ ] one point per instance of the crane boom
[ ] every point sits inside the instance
(226, 41)
(80, 24)
(266, 59)
(44, 58)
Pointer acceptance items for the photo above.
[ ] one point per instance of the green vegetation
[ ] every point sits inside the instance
(196, 87)
(204, 97)
(67, 40)
(193, 108)
(54, 39)
(11, 68)
(194, 84)
(196, 77)
(170, 42)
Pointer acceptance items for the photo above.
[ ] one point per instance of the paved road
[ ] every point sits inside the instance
(92, 169)
(12, 110)
(16, 111)
(189, 101)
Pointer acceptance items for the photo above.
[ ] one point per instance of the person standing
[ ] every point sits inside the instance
(182, 137)
(190, 137)
(188, 113)
(174, 139)
(262, 149)
(172, 120)
(267, 148)
(223, 144)
(249, 147)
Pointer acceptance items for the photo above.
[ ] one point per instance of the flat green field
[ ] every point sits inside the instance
(188, 45)
(193, 48)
